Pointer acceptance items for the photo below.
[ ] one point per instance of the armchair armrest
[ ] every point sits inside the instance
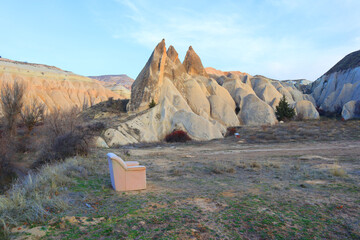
(132, 163)
(136, 168)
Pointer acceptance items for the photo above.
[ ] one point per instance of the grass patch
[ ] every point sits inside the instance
(35, 198)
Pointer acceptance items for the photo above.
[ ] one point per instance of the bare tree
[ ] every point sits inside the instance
(32, 114)
(60, 122)
(11, 104)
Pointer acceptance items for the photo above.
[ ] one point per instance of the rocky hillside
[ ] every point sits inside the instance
(120, 84)
(201, 102)
(338, 90)
(56, 88)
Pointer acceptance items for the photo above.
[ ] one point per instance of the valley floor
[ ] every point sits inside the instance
(248, 188)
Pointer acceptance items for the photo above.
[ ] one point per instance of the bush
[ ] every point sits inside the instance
(115, 105)
(66, 137)
(7, 154)
(152, 104)
(61, 122)
(283, 111)
(11, 104)
(64, 146)
(177, 136)
(32, 114)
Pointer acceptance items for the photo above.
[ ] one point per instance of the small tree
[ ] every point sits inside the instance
(283, 111)
(32, 114)
(152, 104)
(11, 104)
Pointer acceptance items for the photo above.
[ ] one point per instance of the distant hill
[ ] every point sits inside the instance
(122, 79)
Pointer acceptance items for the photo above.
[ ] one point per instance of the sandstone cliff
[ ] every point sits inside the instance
(56, 88)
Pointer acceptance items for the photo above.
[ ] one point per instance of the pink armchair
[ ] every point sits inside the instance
(126, 175)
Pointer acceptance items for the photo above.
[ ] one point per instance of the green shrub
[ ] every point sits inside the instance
(152, 104)
(283, 111)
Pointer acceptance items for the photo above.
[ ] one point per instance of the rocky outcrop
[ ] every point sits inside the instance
(351, 110)
(147, 85)
(305, 110)
(185, 100)
(120, 90)
(302, 85)
(254, 111)
(56, 88)
(222, 112)
(193, 64)
(266, 91)
(190, 99)
(339, 85)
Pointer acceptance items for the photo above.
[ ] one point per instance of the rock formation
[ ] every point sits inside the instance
(189, 98)
(56, 88)
(147, 84)
(306, 110)
(351, 110)
(193, 64)
(338, 86)
(254, 111)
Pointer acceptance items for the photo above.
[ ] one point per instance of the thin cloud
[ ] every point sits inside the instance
(238, 39)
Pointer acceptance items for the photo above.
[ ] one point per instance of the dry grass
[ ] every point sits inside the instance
(223, 167)
(255, 165)
(338, 172)
(252, 191)
(34, 198)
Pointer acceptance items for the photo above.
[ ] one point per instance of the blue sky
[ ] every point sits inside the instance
(281, 39)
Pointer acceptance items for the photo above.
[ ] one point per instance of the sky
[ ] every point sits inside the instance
(280, 39)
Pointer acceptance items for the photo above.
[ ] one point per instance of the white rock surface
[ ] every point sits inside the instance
(196, 126)
(351, 110)
(332, 91)
(222, 111)
(254, 111)
(100, 143)
(306, 109)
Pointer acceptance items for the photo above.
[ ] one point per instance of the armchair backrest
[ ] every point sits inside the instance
(112, 156)
(114, 169)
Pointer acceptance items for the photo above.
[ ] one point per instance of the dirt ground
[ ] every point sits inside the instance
(287, 187)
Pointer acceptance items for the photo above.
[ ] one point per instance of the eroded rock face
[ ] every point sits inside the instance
(222, 111)
(306, 110)
(147, 84)
(56, 88)
(254, 111)
(266, 91)
(193, 64)
(351, 110)
(183, 98)
(190, 99)
(339, 85)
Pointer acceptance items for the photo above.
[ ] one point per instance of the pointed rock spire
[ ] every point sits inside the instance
(193, 64)
(147, 84)
(173, 55)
